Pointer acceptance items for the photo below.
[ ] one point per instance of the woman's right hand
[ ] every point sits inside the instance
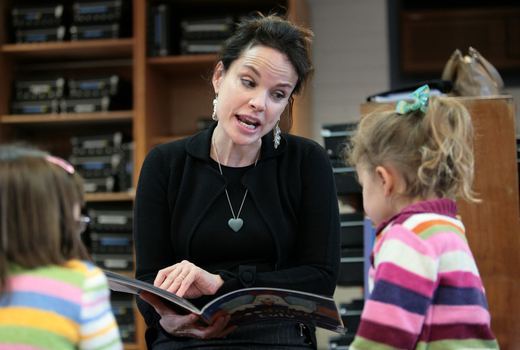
(185, 325)
(187, 280)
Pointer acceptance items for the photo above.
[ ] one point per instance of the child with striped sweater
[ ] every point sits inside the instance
(425, 288)
(51, 295)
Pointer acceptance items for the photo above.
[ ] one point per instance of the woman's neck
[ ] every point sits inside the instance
(227, 153)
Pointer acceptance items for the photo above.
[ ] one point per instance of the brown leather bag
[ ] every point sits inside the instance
(475, 76)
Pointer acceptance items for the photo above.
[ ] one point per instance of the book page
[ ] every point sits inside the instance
(253, 305)
(126, 284)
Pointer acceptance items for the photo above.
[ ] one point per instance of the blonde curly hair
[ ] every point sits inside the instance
(433, 151)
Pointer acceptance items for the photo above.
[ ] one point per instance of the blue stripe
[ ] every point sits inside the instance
(447, 295)
(97, 317)
(44, 302)
(389, 293)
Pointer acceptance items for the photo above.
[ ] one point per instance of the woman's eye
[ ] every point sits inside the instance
(278, 95)
(247, 82)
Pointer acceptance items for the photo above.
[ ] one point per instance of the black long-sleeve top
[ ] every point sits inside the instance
(292, 188)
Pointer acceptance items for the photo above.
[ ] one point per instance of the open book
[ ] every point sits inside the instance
(247, 305)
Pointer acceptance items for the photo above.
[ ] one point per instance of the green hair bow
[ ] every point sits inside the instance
(420, 97)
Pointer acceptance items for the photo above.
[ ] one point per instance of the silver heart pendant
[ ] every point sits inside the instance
(235, 224)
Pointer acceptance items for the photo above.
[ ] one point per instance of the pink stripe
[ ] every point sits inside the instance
(457, 314)
(18, 347)
(433, 247)
(47, 286)
(371, 273)
(461, 279)
(395, 274)
(97, 302)
(407, 237)
(448, 242)
(392, 316)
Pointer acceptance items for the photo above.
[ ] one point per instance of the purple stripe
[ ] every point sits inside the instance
(447, 295)
(395, 274)
(456, 331)
(387, 335)
(389, 293)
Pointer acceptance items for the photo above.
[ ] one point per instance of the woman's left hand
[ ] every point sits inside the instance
(188, 280)
(186, 325)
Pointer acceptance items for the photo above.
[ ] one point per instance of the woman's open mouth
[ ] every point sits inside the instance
(247, 122)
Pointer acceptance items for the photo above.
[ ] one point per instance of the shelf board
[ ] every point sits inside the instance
(58, 65)
(164, 139)
(108, 48)
(182, 64)
(66, 118)
(109, 196)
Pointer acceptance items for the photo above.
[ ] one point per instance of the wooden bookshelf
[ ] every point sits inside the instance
(170, 94)
(110, 196)
(67, 118)
(66, 50)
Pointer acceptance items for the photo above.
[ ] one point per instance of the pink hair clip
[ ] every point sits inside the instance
(61, 163)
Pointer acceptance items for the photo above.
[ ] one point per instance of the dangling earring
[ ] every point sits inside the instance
(277, 137)
(214, 115)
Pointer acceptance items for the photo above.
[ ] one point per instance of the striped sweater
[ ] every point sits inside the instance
(426, 292)
(59, 308)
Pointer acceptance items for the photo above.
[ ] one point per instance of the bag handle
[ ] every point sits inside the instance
(492, 71)
(451, 65)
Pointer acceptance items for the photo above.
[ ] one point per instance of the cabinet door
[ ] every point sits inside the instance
(428, 38)
(492, 227)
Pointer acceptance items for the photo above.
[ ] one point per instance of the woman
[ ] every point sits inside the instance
(239, 205)
(51, 295)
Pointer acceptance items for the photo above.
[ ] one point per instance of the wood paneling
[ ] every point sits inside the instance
(428, 38)
(492, 227)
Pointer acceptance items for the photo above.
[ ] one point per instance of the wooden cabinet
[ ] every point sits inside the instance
(170, 94)
(492, 227)
(429, 37)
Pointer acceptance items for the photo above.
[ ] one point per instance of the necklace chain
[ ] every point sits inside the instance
(227, 194)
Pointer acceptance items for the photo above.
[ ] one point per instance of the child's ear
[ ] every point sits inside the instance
(387, 178)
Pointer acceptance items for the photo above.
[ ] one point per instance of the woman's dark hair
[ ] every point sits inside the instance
(278, 33)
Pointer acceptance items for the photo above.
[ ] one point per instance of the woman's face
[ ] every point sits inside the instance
(253, 93)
